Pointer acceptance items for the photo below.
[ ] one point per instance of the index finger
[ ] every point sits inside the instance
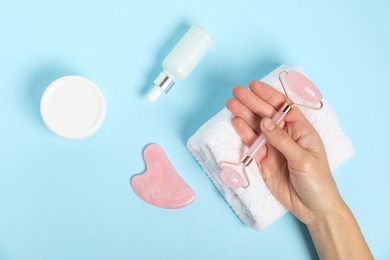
(268, 93)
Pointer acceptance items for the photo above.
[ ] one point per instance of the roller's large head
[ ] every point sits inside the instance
(302, 86)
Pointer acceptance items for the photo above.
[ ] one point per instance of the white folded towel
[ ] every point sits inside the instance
(217, 141)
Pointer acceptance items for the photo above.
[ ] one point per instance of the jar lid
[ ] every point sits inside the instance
(73, 107)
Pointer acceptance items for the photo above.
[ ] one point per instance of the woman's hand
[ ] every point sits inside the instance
(295, 168)
(293, 163)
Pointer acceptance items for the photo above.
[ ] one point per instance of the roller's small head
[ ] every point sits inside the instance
(232, 176)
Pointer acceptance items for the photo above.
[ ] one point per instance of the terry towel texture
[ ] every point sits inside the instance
(217, 141)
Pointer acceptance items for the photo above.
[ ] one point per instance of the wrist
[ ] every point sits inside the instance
(322, 218)
(325, 229)
(336, 234)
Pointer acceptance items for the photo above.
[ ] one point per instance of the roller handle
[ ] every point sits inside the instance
(260, 141)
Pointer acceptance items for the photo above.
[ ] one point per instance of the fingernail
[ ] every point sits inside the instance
(269, 124)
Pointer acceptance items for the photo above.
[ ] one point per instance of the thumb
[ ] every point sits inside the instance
(280, 139)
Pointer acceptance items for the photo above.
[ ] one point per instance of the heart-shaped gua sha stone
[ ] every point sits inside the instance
(160, 185)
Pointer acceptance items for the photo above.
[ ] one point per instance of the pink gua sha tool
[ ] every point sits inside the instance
(234, 174)
(160, 185)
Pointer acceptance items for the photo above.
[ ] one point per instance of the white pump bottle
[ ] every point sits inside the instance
(182, 60)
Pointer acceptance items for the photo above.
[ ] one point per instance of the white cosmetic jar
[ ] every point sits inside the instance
(73, 107)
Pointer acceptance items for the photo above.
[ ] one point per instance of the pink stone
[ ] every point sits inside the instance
(231, 177)
(160, 185)
(303, 87)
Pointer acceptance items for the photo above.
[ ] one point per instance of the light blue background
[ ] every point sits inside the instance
(72, 200)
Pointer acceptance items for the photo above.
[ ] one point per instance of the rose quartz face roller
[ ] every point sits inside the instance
(234, 174)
